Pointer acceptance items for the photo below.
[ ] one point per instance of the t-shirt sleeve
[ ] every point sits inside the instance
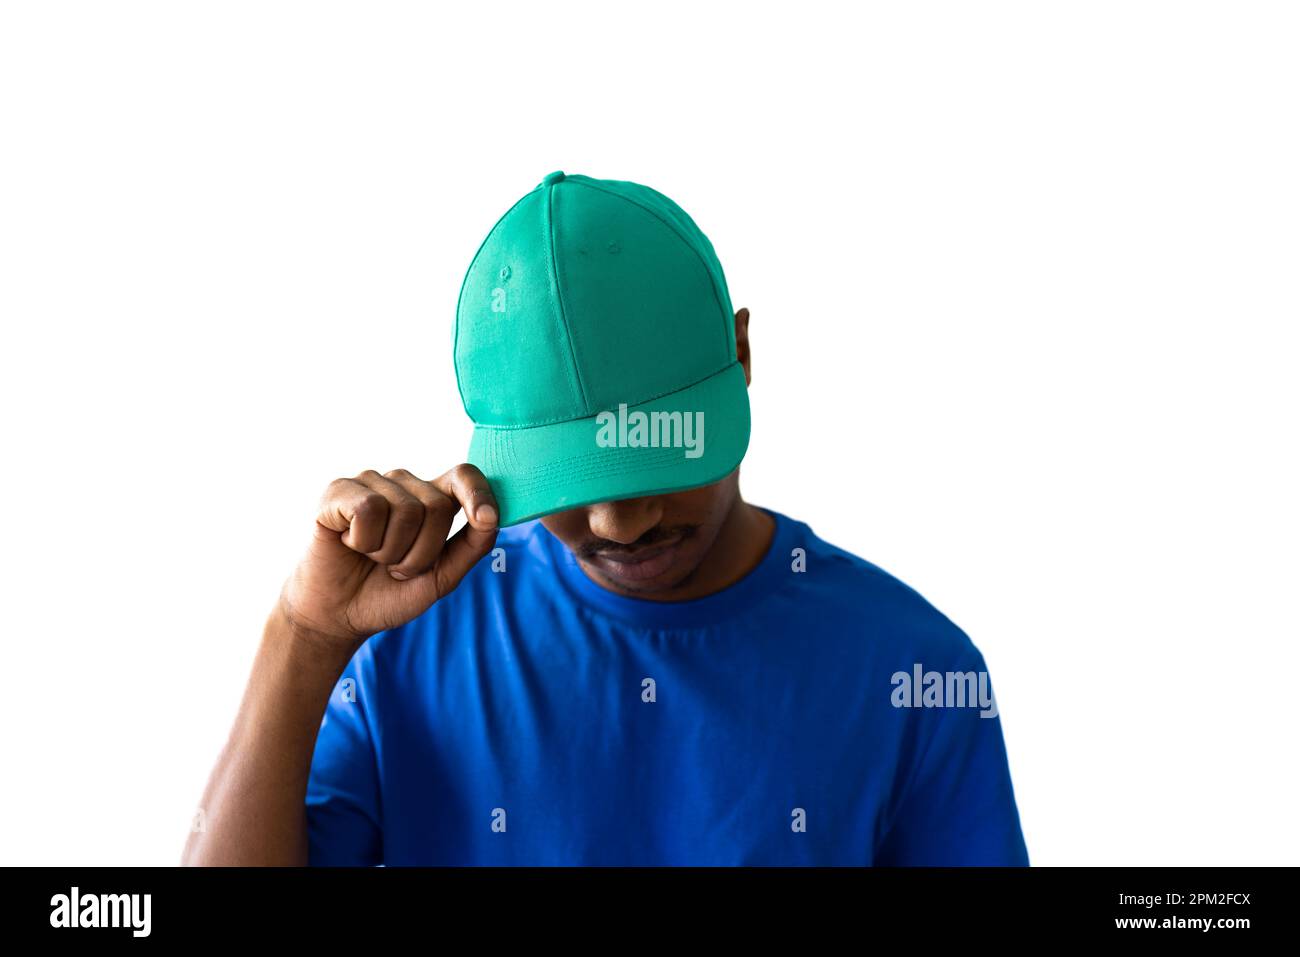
(957, 806)
(343, 826)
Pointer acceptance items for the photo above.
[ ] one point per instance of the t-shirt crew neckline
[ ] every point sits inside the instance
(738, 597)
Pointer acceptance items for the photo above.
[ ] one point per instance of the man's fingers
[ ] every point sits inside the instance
(401, 521)
(376, 515)
(463, 551)
(439, 511)
(356, 510)
(466, 485)
(405, 518)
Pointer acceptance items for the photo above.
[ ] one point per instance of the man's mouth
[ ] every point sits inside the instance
(642, 564)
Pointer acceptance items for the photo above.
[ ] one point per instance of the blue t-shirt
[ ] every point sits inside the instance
(532, 717)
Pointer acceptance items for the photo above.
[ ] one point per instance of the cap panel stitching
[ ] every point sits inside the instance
(713, 283)
(559, 298)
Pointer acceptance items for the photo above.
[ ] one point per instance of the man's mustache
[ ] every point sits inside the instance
(653, 536)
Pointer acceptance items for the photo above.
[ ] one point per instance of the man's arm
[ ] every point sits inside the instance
(379, 557)
(253, 808)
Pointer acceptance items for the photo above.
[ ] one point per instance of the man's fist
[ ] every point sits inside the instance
(380, 555)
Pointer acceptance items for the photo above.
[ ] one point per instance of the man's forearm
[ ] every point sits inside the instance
(253, 810)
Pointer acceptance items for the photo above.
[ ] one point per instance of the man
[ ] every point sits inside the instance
(617, 660)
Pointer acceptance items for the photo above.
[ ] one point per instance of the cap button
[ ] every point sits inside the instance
(550, 179)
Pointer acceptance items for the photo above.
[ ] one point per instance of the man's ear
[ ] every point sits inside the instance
(742, 340)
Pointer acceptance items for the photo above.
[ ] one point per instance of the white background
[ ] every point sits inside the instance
(1024, 294)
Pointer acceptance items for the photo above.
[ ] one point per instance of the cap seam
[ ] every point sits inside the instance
(579, 418)
(678, 233)
(559, 297)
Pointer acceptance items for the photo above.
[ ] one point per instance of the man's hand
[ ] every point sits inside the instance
(380, 555)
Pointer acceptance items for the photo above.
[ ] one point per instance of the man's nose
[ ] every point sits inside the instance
(624, 521)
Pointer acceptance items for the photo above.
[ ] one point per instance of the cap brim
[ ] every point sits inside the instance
(550, 468)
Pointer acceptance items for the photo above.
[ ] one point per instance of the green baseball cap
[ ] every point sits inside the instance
(595, 350)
